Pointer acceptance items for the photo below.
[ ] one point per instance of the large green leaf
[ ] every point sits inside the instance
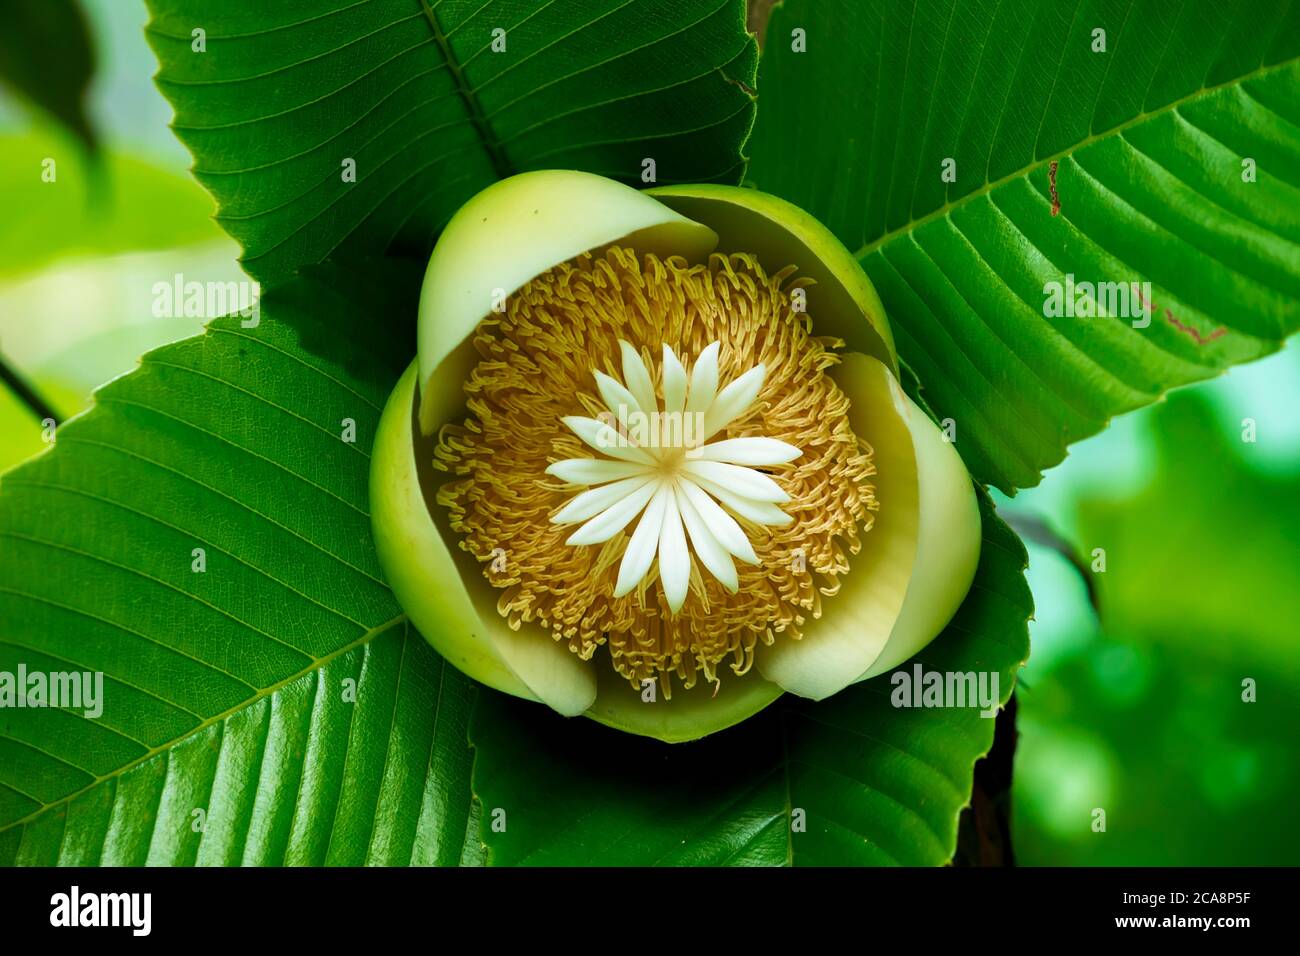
(1147, 139)
(414, 92)
(227, 691)
(230, 691)
(877, 784)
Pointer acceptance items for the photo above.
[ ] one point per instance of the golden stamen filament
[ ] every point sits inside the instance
(660, 451)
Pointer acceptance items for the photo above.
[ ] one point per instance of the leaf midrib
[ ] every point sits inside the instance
(500, 165)
(943, 210)
(216, 720)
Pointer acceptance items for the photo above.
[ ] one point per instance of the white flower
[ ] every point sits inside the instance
(661, 466)
(883, 518)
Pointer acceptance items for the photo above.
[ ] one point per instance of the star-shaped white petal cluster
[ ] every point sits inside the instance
(661, 466)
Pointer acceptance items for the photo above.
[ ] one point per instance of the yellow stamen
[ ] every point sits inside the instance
(535, 369)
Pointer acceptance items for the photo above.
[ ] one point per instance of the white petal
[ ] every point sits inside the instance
(674, 559)
(704, 380)
(595, 500)
(614, 518)
(734, 400)
(742, 481)
(674, 381)
(711, 554)
(759, 512)
(603, 438)
(617, 398)
(638, 379)
(721, 525)
(748, 451)
(594, 471)
(640, 553)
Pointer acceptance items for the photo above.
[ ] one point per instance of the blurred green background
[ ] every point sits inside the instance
(1136, 710)
(1141, 713)
(79, 256)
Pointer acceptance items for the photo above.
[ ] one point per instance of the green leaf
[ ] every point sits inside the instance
(227, 691)
(413, 92)
(1148, 141)
(37, 35)
(123, 204)
(877, 784)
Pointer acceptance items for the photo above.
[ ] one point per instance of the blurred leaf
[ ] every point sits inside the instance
(878, 784)
(227, 691)
(25, 392)
(1155, 732)
(20, 428)
(46, 55)
(67, 348)
(1147, 720)
(286, 94)
(1209, 546)
(129, 204)
(1150, 137)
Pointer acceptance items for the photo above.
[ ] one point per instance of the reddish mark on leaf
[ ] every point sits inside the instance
(1051, 183)
(1181, 327)
(1192, 332)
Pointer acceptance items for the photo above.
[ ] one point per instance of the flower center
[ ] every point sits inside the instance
(655, 465)
(658, 472)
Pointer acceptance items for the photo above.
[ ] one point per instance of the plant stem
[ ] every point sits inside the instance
(26, 394)
(984, 830)
(1037, 530)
